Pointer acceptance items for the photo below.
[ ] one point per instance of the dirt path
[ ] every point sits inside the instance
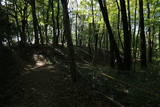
(45, 86)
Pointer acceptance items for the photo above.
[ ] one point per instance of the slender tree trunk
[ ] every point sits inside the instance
(35, 21)
(118, 23)
(24, 24)
(134, 37)
(41, 36)
(53, 23)
(149, 34)
(142, 35)
(46, 22)
(89, 39)
(23, 33)
(113, 46)
(159, 38)
(94, 35)
(17, 21)
(67, 31)
(76, 29)
(58, 31)
(127, 37)
(135, 26)
(129, 16)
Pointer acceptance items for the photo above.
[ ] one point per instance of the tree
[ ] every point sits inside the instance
(113, 46)
(67, 32)
(35, 21)
(149, 34)
(142, 35)
(57, 17)
(127, 37)
(53, 22)
(46, 21)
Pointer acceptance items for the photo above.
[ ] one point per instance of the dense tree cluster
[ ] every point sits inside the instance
(128, 29)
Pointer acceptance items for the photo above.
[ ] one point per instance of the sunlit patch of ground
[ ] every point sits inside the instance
(40, 63)
(40, 60)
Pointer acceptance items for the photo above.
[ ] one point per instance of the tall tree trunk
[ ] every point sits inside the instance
(94, 35)
(58, 31)
(67, 31)
(17, 21)
(41, 36)
(76, 26)
(23, 33)
(24, 24)
(46, 22)
(35, 21)
(135, 26)
(127, 37)
(129, 16)
(89, 39)
(142, 35)
(53, 23)
(118, 23)
(135, 37)
(113, 46)
(159, 38)
(149, 34)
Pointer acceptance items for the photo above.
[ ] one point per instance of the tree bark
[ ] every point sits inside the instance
(58, 31)
(127, 37)
(135, 24)
(35, 21)
(113, 46)
(149, 35)
(118, 23)
(142, 35)
(46, 22)
(24, 24)
(159, 37)
(67, 31)
(53, 23)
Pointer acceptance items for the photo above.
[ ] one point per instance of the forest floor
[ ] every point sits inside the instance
(50, 85)
(47, 83)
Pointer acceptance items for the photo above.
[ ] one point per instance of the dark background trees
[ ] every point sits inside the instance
(86, 41)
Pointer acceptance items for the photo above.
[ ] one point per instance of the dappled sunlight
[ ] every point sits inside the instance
(40, 60)
(40, 63)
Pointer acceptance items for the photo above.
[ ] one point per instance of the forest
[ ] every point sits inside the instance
(79, 53)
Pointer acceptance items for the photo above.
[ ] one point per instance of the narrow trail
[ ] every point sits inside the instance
(45, 86)
(50, 85)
